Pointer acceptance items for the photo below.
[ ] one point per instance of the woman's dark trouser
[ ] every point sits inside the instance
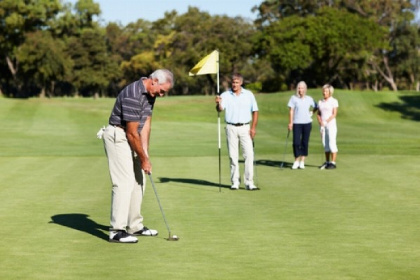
(301, 133)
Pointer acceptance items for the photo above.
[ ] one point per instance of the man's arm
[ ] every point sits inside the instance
(145, 135)
(136, 144)
(253, 130)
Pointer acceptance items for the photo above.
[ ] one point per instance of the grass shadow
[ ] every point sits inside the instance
(192, 182)
(80, 222)
(409, 108)
(272, 163)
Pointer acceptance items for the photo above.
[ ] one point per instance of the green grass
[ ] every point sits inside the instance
(357, 222)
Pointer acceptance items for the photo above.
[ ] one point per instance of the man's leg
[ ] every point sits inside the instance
(121, 171)
(248, 154)
(232, 142)
(135, 219)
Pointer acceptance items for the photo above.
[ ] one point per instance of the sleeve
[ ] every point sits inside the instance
(291, 104)
(254, 107)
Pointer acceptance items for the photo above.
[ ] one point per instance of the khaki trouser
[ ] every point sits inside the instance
(128, 181)
(240, 135)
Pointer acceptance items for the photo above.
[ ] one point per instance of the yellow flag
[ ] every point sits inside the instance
(208, 65)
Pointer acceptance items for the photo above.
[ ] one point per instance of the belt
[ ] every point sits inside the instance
(117, 125)
(237, 124)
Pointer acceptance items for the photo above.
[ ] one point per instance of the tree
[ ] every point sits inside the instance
(93, 67)
(315, 48)
(43, 61)
(196, 34)
(17, 18)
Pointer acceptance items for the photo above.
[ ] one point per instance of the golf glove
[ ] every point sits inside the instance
(322, 130)
(100, 132)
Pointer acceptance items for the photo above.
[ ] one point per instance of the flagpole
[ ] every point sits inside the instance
(210, 65)
(218, 125)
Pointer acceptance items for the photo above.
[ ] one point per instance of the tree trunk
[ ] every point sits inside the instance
(42, 93)
(388, 76)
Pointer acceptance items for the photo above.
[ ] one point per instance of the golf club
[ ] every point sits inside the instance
(285, 148)
(322, 167)
(171, 237)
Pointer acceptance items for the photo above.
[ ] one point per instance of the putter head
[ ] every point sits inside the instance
(173, 237)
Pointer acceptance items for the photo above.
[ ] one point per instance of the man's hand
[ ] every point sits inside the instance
(146, 166)
(218, 101)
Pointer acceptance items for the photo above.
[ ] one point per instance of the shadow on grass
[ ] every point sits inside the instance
(409, 108)
(211, 184)
(192, 182)
(80, 222)
(273, 163)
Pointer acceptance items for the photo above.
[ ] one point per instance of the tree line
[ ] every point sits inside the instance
(52, 48)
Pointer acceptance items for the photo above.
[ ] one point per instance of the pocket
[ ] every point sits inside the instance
(119, 135)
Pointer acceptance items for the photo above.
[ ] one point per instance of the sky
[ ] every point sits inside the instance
(126, 11)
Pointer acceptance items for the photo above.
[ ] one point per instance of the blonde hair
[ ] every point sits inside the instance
(330, 88)
(301, 83)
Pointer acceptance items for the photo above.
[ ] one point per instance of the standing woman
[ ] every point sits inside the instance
(301, 107)
(327, 120)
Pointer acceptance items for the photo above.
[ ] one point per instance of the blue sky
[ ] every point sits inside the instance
(126, 11)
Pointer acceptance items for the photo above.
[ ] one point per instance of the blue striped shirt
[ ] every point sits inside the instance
(133, 104)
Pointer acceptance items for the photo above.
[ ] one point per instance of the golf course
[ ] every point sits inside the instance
(359, 221)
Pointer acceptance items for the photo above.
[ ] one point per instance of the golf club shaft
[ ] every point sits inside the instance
(160, 206)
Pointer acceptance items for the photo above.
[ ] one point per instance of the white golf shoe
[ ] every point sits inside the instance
(295, 165)
(251, 187)
(302, 165)
(146, 232)
(120, 236)
(235, 186)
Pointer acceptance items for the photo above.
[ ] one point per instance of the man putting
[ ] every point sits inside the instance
(126, 142)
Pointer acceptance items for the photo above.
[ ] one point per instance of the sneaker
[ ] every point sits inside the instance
(295, 165)
(331, 166)
(252, 187)
(120, 236)
(302, 165)
(324, 165)
(146, 232)
(235, 186)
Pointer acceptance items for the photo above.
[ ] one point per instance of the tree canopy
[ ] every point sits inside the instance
(52, 48)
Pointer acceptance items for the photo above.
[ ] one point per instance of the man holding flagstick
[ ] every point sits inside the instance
(241, 117)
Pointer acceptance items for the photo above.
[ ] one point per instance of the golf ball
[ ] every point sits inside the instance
(174, 236)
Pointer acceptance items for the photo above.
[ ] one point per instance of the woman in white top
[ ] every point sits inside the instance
(327, 113)
(301, 107)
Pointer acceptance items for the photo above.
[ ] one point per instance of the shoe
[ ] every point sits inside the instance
(235, 186)
(324, 165)
(295, 165)
(146, 232)
(331, 166)
(120, 236)
(252, 187)
(302, 165)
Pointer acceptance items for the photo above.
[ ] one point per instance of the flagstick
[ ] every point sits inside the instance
(218, 125)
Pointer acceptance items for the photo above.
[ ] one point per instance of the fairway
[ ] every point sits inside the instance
(359, 221)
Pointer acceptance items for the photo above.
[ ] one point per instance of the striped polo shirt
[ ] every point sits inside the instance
(133, 104)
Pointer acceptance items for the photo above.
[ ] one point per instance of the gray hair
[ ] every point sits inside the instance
(301, 83)
(163, 76)
(329, 87)
(237, 76)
